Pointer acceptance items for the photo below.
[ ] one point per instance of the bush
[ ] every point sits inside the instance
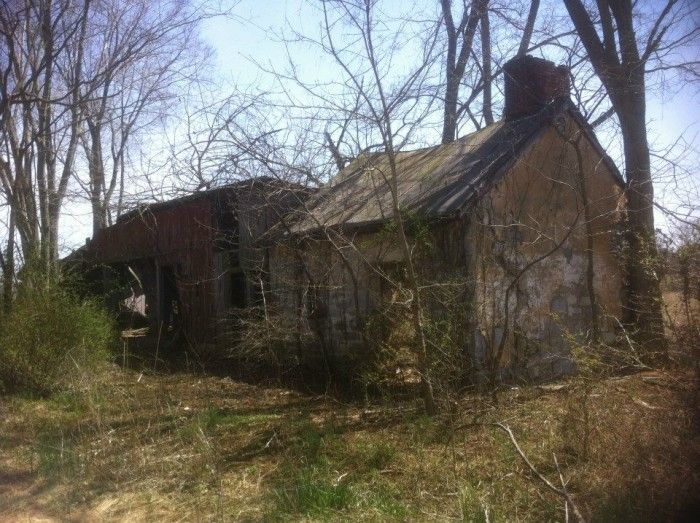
(49, 339)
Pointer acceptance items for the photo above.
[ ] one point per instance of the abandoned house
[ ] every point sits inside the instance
(183, 264)
(519, 220)
(513, 227)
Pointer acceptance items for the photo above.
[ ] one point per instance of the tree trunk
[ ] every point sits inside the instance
(486, 67)
(449, 123)
(645, 310)
(97, 179)
(8, 267)
(456, 63)
(622, 73)
(54, 215)
(44, 143)
(529, 27)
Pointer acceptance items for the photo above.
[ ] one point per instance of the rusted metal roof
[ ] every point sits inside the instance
(436, 181)
(186, 224)
(225, 192)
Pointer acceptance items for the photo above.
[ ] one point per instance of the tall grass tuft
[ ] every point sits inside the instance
(313, 493)
(49, 338)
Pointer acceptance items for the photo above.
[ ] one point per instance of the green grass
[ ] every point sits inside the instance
(375, 455)
(379, 496)
(312, 492)
(326, 473)
(214, 417)
(473, 504)
(322, 491)
(55, 456)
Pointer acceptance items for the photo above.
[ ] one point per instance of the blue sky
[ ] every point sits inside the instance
(673, 111)
(252, 34)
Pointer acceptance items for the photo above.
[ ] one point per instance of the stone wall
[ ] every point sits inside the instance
(531, 235)
(528, 239)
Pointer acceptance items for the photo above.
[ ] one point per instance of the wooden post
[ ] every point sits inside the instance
(159, 294)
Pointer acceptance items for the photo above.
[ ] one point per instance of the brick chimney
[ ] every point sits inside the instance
(531, 83)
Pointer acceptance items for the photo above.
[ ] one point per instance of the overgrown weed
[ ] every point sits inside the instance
(51, 339)
(159, 446)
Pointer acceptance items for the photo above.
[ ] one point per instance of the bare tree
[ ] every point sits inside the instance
(468, 76)
(85, 73)
(38, 118)
(621, 65)
(365, 108)
(529, 28)
(460, 39)
(7, 265)
(139, 56)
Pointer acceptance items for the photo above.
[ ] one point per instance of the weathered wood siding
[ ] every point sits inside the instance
(178, 236)
(206, 240)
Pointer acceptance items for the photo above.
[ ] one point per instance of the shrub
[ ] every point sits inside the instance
(264, 339)
(49, 339)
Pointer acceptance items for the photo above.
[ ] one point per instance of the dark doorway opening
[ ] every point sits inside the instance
(169, 299)
(238, 289)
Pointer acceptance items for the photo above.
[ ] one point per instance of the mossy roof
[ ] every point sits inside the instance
(438, 181)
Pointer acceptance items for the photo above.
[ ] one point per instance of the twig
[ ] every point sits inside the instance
(270, 441)
(563, 488)
(559, 491)
(155, 360)
(637, 360)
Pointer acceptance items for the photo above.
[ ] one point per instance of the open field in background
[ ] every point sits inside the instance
(682, 325)
(144, 447)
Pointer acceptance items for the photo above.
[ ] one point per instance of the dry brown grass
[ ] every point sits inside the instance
(135, 447)
(682, 318)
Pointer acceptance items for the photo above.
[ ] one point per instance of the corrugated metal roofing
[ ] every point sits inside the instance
(227, 192)
(435, 181)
